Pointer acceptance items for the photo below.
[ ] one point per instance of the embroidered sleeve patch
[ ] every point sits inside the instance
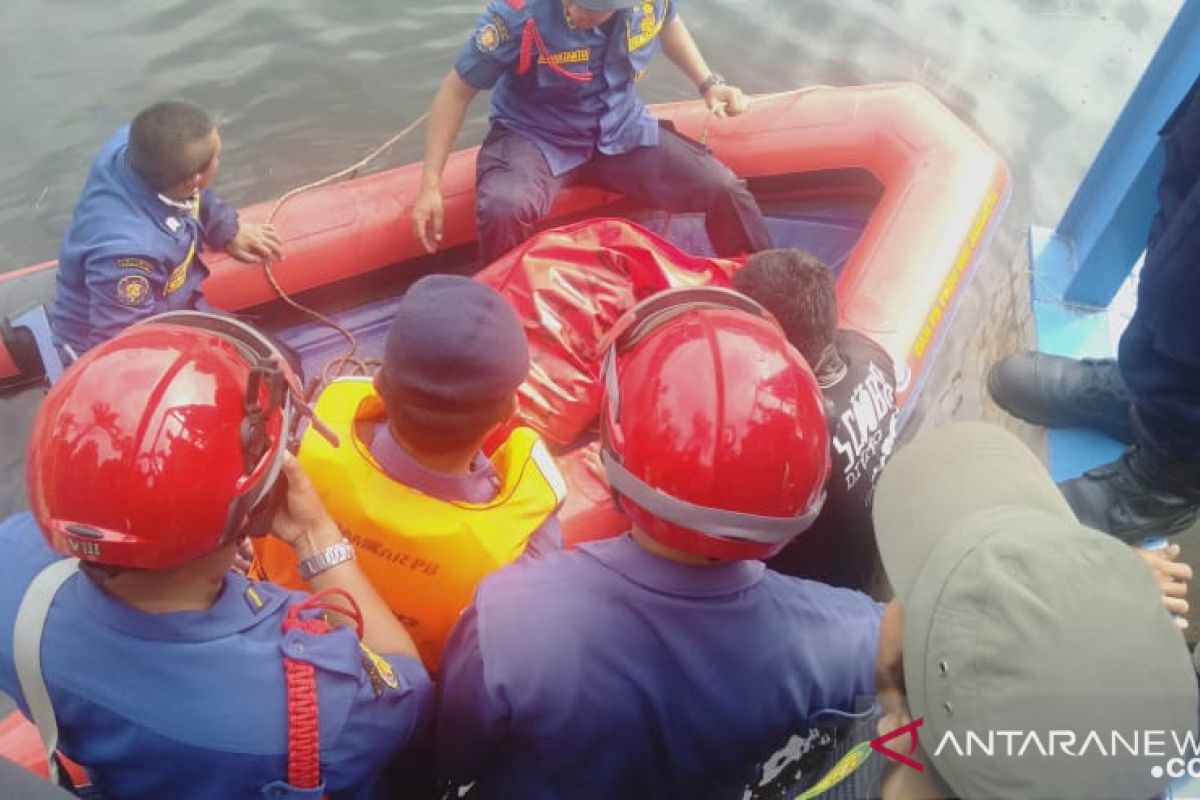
(378, 670)
(133, 290)
(136, 263)
(487, 38)
(643, 31)
(491, 34)
(177, 277)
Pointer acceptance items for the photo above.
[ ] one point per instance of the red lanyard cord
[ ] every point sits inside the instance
(300, 677)
(531, 37)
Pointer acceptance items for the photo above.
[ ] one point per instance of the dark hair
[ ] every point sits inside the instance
(440, 430)
(163, 143)
(797, 288)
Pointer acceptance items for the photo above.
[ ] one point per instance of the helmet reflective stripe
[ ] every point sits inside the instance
(713, 430)
(713, 521)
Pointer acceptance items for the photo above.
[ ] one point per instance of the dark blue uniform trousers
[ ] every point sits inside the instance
(1159, 354)
(514, 189)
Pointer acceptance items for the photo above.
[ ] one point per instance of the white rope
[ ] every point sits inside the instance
(348, 171)
(360, 366)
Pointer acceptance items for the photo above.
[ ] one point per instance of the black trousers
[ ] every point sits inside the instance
(515, 189)
(1159, 353)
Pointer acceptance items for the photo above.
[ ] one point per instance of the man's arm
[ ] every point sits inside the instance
(845, 678)
(121, 291)
(493, 48)
(471, 719)
(679, 46)
(218, 220)
(245, 241)
(307, 528)
(450, 105)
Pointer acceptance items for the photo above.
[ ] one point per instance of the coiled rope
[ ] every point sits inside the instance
(337, 366)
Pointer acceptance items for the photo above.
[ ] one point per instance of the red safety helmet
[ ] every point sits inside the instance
(162, 444)
(713, 432)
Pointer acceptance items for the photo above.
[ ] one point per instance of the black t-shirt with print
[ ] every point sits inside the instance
(839, 548)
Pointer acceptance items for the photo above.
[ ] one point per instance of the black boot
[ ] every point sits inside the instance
(1059, 392)
(1141, 495)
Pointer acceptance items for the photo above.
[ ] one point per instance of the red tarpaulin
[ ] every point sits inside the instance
(569, 285)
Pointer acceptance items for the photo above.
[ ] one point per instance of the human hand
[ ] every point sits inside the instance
(302, 521)
(427, 215)
(255, 243)
(725, 100)
(244, 557)
(1172, 577)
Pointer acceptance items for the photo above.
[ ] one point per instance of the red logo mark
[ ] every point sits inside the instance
(879, 744)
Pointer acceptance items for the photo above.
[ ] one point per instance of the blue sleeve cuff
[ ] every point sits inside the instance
(219, 220)
(411, 671)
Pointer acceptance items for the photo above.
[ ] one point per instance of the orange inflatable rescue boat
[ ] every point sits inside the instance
(882, 182)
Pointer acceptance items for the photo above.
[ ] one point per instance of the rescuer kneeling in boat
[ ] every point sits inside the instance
(1008, 666)
(858, 380)
(565, 110)
(133, 248)
(1149, 397)
(667, 662)
(429, 513)
(168, 674)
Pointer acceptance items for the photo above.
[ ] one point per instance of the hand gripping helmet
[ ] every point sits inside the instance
(713, 428)
(162, 444)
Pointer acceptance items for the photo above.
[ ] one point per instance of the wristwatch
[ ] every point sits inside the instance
(713, 79)
(331, 556)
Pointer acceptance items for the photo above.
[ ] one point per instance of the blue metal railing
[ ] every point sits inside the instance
(1079, 266)
(1105, 226)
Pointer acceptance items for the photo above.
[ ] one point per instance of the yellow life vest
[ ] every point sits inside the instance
(423, 555)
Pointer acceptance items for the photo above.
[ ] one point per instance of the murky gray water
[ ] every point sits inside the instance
(306, 86)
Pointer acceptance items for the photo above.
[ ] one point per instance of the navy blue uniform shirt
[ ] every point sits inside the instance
(130, 253)
(608, 672)
(569, 119)
(192, 704)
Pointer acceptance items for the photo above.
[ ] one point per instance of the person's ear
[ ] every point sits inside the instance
(504, 415)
